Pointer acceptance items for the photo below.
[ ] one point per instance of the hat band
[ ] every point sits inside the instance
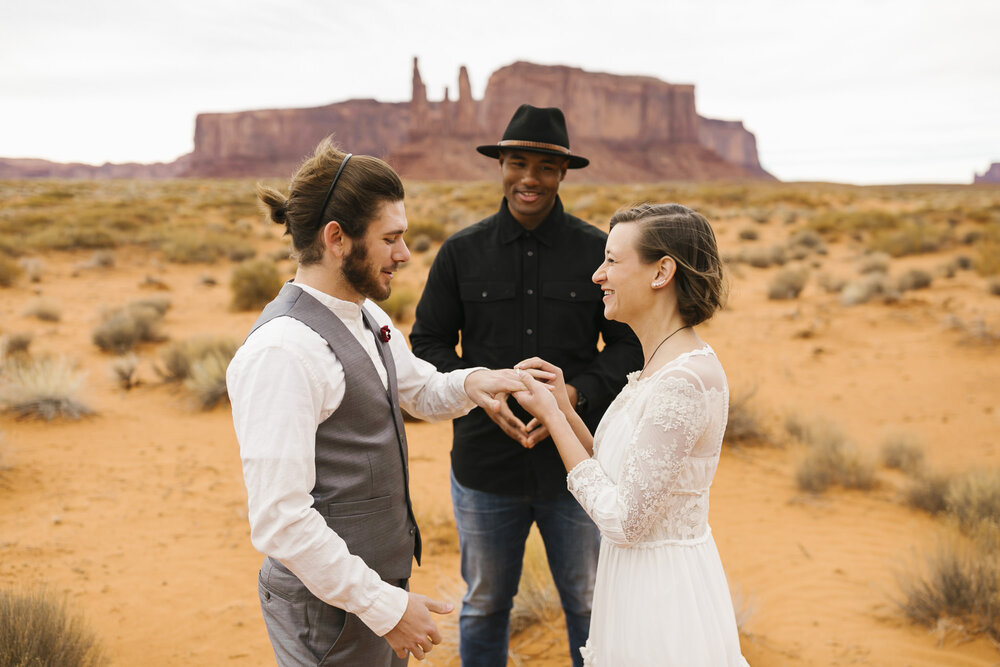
(517, 143)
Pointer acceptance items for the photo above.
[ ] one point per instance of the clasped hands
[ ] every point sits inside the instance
(535, 383)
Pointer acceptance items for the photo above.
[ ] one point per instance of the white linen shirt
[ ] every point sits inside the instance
(283, 383)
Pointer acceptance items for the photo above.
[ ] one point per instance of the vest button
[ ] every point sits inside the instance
(267, 595)
(413, 531)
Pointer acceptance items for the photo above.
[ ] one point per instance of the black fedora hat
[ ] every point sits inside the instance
(539, 131)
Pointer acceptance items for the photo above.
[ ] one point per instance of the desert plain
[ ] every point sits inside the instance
(869, 312)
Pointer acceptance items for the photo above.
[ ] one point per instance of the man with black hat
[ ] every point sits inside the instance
(512, 286)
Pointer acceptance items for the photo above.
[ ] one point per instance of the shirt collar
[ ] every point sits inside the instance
(347, 311)
(547, 232)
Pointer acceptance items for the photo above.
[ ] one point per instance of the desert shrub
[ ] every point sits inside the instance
(748, 234)
(958, 582)
(399, 303)
(207, 378)
(987, 260)
(807, 238)
(10, 271)
(536, 600)
(762, 258)
(240, 251)
(830, 459)
(123, 328)
(973, 332)
(964, 262)
(914, 279)
(254, 284)
(913, 238)
(186, 247)
(37, 629)
(876, 262)
(179, 357)
(902, 451)
(421, 244)
(865, 288)
(833, 223)
(788, 283)
(104, 259)
(33, 268)
(831, 284)
(123, 370)
(43, 387)
(17, 344)
(433, 229)
(45, 310)
(928, 493)
(974, 498)
(993, 286)
(745, 425)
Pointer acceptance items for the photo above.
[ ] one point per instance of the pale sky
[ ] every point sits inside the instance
(854, 91)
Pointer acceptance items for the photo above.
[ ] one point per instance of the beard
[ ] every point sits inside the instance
(362, 276)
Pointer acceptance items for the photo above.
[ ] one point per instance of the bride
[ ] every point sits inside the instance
(661, 596)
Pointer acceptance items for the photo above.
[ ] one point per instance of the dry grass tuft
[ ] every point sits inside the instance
(876, 262)
(928, 493)
(903, 451)
(866, 288)
(44, 309)
(830, 459)
(42, 388)
(123, 328)
(36, 629)
(254, 284)
(959, 582)
(399, 306)
(745, 425)
(914, 279)
(179, 357)
(10, 271)
(17, 344)
(207, 377)
(123, 369)
(788, 283)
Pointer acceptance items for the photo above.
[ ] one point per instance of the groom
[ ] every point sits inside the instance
(316, 391)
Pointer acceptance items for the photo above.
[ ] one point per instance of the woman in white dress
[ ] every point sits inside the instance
(661, 596)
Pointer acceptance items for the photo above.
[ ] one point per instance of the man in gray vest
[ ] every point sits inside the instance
(316, 392)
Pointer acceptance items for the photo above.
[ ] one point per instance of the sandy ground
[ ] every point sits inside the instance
(138, 514)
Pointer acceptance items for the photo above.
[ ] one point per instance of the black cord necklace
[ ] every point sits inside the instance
(657, 349)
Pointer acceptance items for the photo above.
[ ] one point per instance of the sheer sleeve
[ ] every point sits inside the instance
(672, 419)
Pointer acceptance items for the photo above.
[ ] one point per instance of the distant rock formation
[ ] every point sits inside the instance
(991, 175)
(633, 129)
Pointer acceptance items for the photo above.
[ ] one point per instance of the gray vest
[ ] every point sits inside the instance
(362, 478)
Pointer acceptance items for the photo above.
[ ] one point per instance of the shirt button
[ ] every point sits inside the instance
(530, 253)
(573, 294)
(529, 332)
(530, 292)
(484, 295)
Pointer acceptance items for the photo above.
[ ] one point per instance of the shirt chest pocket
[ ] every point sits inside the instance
(490, 313)
(571, 312)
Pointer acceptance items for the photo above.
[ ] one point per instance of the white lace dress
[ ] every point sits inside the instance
(661, 596)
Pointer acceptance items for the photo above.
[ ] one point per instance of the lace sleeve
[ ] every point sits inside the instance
(673, 418)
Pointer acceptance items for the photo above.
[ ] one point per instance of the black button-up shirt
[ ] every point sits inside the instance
(504, 294)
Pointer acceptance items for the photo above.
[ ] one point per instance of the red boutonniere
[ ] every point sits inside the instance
(383, 333)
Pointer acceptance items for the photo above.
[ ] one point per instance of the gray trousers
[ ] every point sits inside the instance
(304, 630)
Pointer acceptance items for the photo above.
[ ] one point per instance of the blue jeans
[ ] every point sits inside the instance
(492, 530)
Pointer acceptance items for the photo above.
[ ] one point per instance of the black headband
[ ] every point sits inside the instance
(326, 200)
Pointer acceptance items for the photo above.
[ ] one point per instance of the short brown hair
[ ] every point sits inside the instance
(675, 231)
(364, 185)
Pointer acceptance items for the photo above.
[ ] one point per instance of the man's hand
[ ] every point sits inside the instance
(416, 631)
(489, 390)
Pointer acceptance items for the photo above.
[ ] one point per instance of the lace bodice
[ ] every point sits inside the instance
(655, 453)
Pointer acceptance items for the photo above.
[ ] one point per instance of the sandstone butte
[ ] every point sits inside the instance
(991, 175)
(633, 129)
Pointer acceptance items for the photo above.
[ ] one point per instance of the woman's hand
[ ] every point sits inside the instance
(537, 398)
(552, 376)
